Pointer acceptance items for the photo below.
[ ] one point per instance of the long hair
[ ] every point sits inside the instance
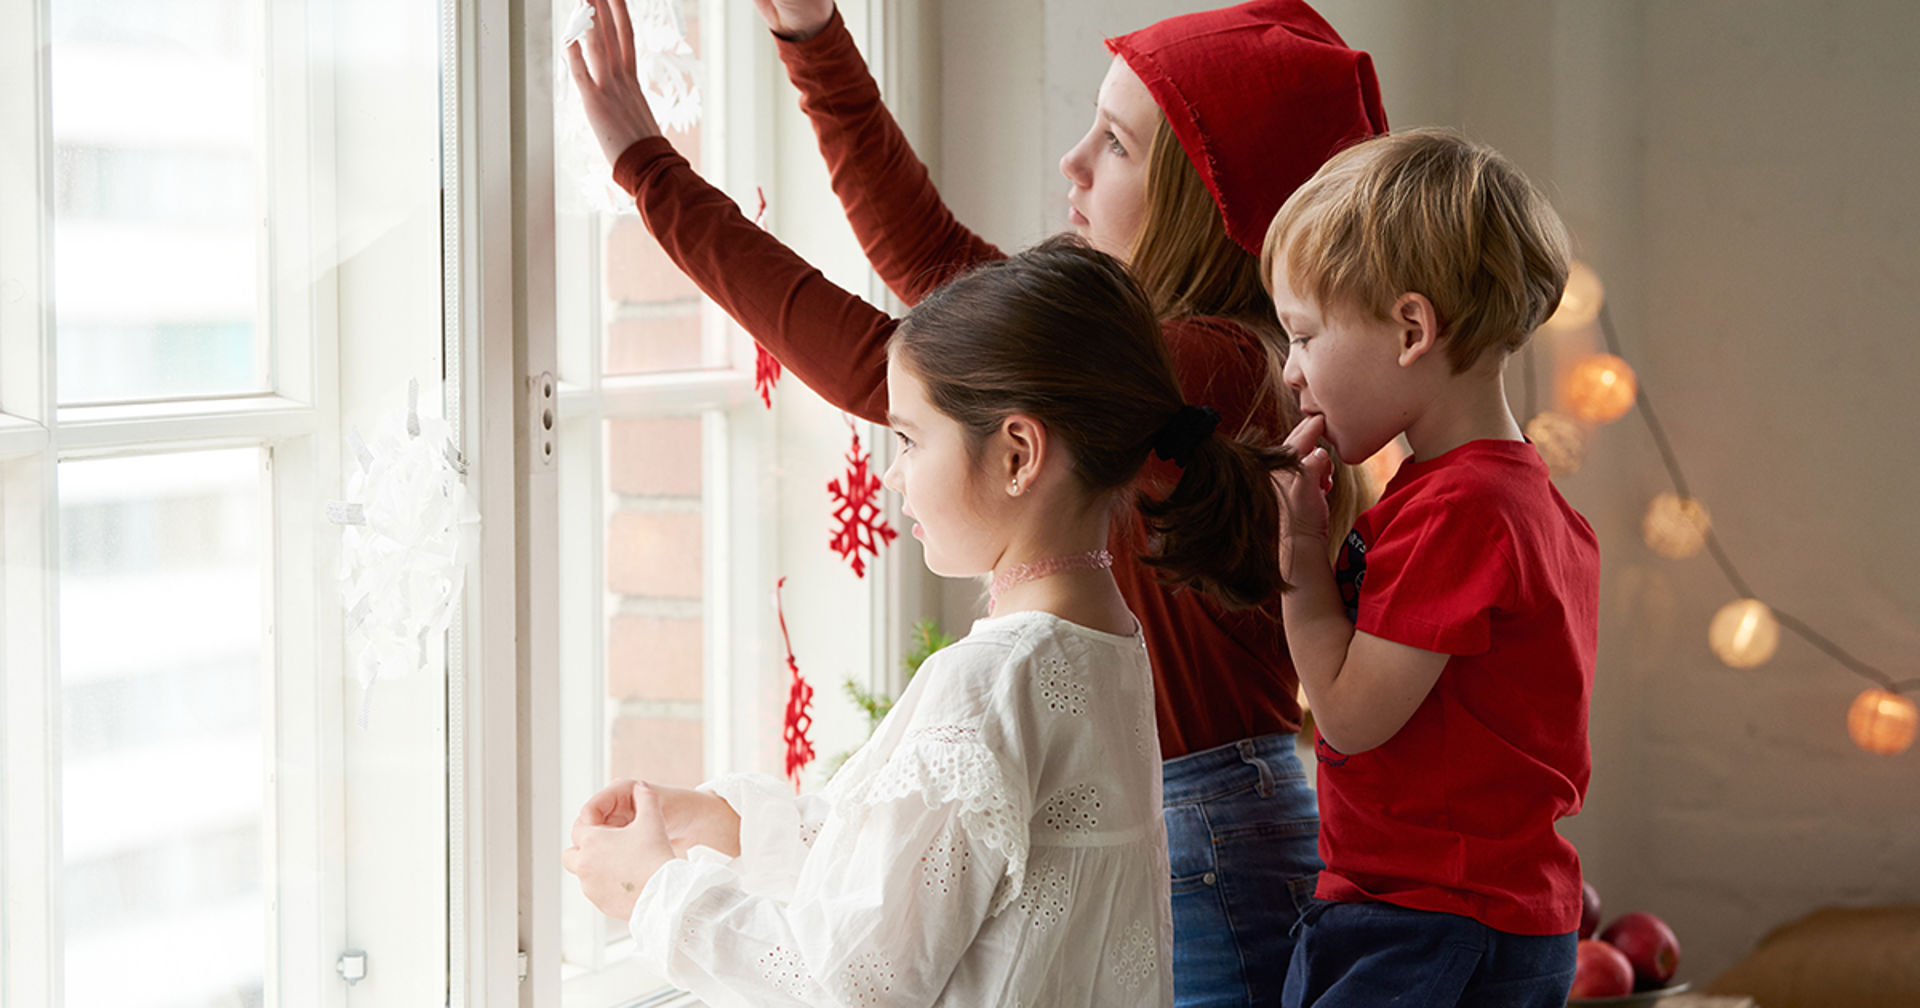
(1187, 265)
(1062, 333)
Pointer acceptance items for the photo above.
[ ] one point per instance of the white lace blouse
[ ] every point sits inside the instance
(997, 842)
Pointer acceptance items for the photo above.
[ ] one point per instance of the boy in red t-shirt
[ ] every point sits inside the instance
(1448, 655)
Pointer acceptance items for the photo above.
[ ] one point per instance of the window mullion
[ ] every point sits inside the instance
(30, 858)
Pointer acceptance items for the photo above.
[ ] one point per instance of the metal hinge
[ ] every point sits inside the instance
(523, 962)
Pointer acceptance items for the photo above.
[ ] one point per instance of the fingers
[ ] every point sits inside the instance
(646, 809)
(577, 64)
(622, 24)
(1307, 434)
(570, 859)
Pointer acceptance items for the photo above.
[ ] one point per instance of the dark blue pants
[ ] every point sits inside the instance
(1243, 837)
(1369, 954)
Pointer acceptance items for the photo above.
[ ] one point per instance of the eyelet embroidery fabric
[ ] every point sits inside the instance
(1074, 809)
(948, 763)
(1133, 957)
(785, 971)
(1046, 898)
(867, 980)
(943, 864)
(1060, 691)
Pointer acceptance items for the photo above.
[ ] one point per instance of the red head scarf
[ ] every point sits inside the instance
(1259, 95)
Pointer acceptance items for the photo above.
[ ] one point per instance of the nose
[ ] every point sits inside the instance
(1293, 374)
(891, 478)
(1073, 163)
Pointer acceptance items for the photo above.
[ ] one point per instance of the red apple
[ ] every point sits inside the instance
(1649, 945)
(1600, 970)
(1589, 909)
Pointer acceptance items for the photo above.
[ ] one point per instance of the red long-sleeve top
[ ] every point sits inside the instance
(1219, 675)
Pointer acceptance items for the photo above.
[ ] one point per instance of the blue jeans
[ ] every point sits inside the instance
(1369, 954)
(1243, 835)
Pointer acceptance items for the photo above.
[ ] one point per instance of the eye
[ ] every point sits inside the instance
(905, 441)
(1299, 339)
(1114, 145)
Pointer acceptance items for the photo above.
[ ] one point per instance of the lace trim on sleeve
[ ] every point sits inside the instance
(949, 764)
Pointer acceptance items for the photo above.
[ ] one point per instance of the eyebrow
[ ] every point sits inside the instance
(1114, 121)
(896, 420)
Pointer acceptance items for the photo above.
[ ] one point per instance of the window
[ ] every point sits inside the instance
(213, 263)
(232, 233)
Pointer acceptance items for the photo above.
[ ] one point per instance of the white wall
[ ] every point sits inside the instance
(1740, 173)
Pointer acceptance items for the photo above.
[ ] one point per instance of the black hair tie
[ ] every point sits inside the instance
(1177, 439)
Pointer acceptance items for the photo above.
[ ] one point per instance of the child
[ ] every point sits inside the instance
(1448, 655)
(1204, 123)
(999, 840)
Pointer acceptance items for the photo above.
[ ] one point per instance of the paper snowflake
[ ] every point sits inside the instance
(799, 719)
(860, 525)
(766, 374)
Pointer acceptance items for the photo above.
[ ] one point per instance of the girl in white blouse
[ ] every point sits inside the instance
(999, 840)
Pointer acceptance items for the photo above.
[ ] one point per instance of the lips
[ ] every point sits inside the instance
(1074, 216)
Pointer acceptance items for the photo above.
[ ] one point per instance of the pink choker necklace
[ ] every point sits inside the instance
(1022, 573)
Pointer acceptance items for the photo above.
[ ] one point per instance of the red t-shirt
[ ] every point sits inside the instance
(1220, 675)
(1473, 554)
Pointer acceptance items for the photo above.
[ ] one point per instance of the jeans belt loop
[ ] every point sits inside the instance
(1248, 757)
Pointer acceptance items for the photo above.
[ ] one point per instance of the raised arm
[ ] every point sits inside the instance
(833, 341)
(910, 236)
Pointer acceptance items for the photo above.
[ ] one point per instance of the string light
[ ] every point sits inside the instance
(1675, 527)
(1600, 389)
(1561, 439)
(1743, 633)
(1882, 722)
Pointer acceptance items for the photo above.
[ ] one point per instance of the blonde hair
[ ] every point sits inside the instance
(1431, 212)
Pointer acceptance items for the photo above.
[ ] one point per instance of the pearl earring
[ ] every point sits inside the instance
(1016, 485)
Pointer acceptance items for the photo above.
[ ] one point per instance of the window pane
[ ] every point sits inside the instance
(656, 617)
(155, 112)
(162, 742)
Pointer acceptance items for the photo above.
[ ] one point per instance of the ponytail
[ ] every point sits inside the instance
(1218, 530)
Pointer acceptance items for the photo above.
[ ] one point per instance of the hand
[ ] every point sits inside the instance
(614, 863)
(605, 71)
(691, 818)
(795, 20)
(1303, 493)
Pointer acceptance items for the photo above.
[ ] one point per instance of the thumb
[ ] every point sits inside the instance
(646, 803)
(1318, 467)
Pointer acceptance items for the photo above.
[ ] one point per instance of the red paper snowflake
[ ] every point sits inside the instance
(766, 374)
(766, 370)
(799, 701)
(859, 525)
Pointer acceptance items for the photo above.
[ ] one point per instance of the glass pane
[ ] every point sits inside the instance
(656, 613)
(634, 654)
(155, 118)
(653, 319)
(162, 668)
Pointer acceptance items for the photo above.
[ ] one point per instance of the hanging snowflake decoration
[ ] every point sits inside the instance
(669, 75)
(766, 368)
(799, 720)
(407, 533)
(766, 374)
(860, 524)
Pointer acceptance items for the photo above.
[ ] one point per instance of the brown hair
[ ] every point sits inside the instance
(1062, 333)
(1187, 265)
(1431, 212)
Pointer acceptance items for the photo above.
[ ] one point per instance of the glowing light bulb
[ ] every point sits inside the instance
(1882, 722)
(1744, 633)
(1580, 303)
(1599, 389)
(1675, 527)
(1561, 441)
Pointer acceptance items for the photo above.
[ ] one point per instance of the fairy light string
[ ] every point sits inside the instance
(1644, 403)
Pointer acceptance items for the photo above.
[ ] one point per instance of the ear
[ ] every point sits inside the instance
(1023, 443)
(1418, 326)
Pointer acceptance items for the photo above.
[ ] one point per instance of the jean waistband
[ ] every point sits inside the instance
(1258, 761)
